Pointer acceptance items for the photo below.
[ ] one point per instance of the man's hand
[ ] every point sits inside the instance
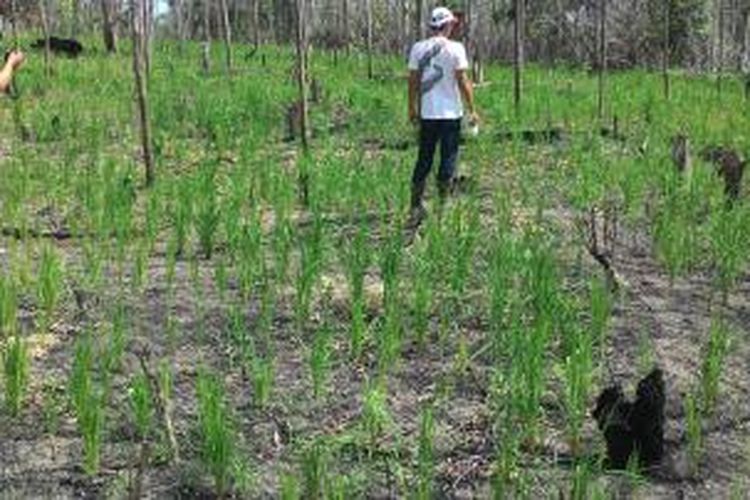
(16, 59)
(473, 118)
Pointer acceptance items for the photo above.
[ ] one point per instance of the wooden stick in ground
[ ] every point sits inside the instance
(206, 36)
(227, 33)
(136, 9)
(602, 56)
(666, 48)
(519, 55)
(45, 31)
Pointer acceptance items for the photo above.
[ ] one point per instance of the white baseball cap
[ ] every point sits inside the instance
(440, 17)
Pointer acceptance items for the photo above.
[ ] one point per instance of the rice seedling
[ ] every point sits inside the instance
(52, 407)
(581, 482)
(140, 266)
(357, 260)
(49, 282)
(290, 488)
(729, 239)
(426, 454)
(88, 403)
(141, 402)
(207, 216)
(8, 306)
(315, 470)
(311, 262)
(262, 369)
(601, 311)
(282, 241)
(216, 430)
(422, 296)
(182, 213)
(507, 438)
(16, 371)
(578, 380)
(320, 358)
(694, 429)
(221, 277)
(375, 414)
(714, 359)
(389, 340)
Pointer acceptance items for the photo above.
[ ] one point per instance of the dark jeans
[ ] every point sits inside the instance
(447, 133)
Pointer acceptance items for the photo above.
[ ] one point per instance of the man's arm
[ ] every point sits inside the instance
(414, 98)
(467, 93)
(13, 62)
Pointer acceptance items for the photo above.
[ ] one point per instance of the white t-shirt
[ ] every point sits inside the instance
(438, 59)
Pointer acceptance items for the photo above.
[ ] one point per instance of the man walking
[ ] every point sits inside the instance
(437, 84)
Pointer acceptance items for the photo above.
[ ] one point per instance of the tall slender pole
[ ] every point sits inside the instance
(720, 55)
(14, 22)
(45, 29)
(602, 56)
(666, 49)
(136, 11)
(227, 33)
(368, 14)
(302, 70)
(519, 54)
(206, 36)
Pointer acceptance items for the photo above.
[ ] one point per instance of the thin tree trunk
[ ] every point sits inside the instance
(75, 24)
(302, 54)
(368, 15)
(256, 23)
(108, 26)
(666, 56)
(602, 56)
(136, 11)
(345, 13)
(720, 55)
(227, 31)
(302, 70)
(147, 16)
(518, 51)
(45, 29)
(178, 17)
(206, 36)
(418, 21)
(14, 22)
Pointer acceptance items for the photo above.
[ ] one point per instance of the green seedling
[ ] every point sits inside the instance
(16, 371)
(217, 434)
(714, 358)
(49, 281)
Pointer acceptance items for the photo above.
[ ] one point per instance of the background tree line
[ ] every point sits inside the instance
(696, 34)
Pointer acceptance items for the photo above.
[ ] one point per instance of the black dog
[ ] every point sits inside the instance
(68, 46)
(633, 427)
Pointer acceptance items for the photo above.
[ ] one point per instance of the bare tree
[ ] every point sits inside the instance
(666, 48)
(109, 25)
(206, 36)
(137, 24)
(45, 30)
(518, 38)
(14, 22)
(256, 23)
(602, 56)
(368, 15)
(720, 55)
(301, 35)
(227, 32)
(75, 22)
